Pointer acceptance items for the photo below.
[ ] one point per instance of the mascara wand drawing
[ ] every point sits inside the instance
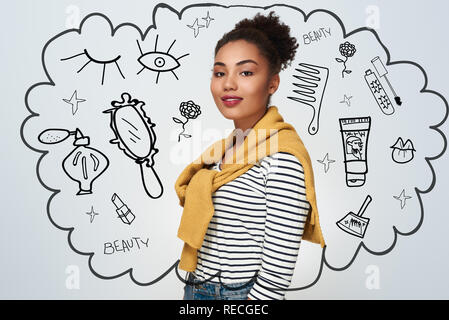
(312, 84)
(382, 71)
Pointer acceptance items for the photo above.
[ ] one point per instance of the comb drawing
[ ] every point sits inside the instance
(312, 81)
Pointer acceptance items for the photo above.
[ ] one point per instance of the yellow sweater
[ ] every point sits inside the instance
(196, 183)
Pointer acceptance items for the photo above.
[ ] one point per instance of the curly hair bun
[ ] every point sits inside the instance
(277, 32)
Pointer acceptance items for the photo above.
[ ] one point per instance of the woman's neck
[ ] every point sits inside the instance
(242, 125)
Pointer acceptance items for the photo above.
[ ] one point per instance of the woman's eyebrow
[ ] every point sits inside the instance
(218, 63)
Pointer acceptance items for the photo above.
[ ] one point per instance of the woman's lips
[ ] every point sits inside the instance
(231, 101)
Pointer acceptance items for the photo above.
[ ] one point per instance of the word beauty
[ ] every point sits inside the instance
(316, 35)
(135, 244)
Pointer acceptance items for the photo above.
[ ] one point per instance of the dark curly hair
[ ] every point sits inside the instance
(271, 36)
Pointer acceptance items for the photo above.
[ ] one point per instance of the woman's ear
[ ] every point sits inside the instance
(274, 84)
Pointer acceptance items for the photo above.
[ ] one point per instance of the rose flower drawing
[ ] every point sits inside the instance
(347, 50)
(188, 110)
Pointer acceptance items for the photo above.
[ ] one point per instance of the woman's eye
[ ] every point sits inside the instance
(247, 73)
(218, 74)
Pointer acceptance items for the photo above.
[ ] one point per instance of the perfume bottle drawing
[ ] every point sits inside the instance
(84, 164)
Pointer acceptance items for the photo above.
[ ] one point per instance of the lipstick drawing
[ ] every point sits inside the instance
(123, 212)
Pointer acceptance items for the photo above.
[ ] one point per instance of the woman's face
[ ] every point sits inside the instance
(241, 72)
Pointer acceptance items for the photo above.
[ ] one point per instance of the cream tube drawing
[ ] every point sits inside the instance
(354, 134)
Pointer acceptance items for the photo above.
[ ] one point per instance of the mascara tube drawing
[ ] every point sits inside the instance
(379, 94)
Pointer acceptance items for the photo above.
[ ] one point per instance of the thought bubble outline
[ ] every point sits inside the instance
(179, 14)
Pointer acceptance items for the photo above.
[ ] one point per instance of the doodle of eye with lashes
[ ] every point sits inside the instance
(159, 61)
(90, 59)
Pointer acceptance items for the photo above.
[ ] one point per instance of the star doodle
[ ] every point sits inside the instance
(326, 162)
(92, 214)
(196, 27)
(346, 100)
(208, 19)
(74, 102)
(402, 197)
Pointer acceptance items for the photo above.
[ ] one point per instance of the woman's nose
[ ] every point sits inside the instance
(230, 83)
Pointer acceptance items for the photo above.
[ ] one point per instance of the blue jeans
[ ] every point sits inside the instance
(216, 291)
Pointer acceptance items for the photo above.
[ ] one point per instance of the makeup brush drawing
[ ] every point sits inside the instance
(382, 71)
(312, 81)
(402, 152)
(326, 162)
(382, 99)
(347, 50)
(402, 198)
(104, 63)
(134, 134)
(84, 164)
(190, 111)
(73, 101)
(355, 224)
(123, 212)
(92, 214)
(159, 61)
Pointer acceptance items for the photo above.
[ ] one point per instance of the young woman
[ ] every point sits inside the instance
(245, 246)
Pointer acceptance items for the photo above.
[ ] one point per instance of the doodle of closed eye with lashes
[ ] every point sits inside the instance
(91, 59)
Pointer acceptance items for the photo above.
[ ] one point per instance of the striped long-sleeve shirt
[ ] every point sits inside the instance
(257, 226)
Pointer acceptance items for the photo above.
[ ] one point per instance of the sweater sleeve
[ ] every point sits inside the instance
(287, 210)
